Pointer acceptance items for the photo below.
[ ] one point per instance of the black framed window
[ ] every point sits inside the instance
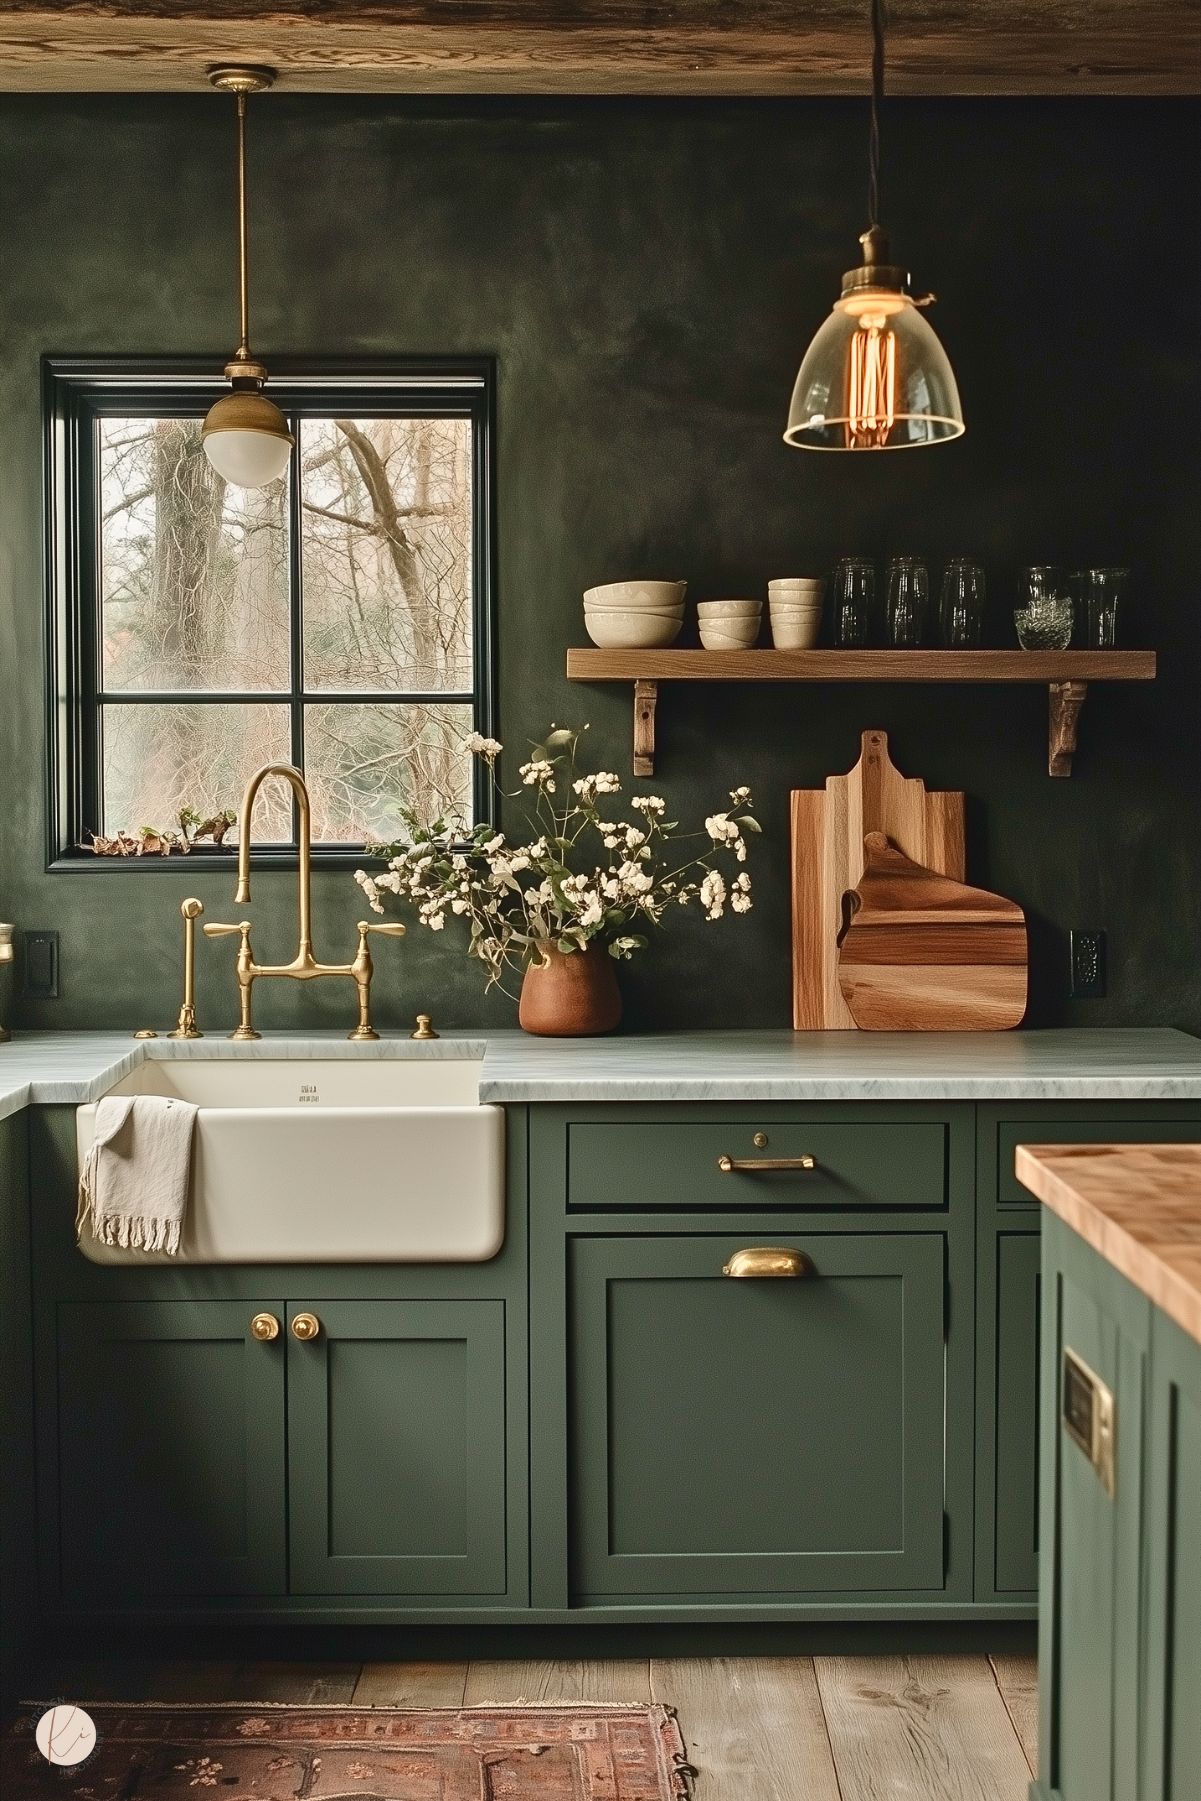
(341, 618)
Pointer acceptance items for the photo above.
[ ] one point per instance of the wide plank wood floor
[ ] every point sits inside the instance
(757, 1728)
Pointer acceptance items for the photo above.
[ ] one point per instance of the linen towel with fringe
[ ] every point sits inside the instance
(133, 1187)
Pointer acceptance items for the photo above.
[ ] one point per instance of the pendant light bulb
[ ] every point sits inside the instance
(245, 436)
(875, 376)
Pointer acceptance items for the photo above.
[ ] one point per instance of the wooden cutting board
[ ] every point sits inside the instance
(923, 953)
(828, 828)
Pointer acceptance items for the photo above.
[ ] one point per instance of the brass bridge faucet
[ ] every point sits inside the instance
(303, 967)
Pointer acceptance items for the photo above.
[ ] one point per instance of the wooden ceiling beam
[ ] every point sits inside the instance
(694, 47)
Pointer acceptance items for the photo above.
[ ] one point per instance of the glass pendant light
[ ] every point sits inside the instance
(246, 437)
(875, 377)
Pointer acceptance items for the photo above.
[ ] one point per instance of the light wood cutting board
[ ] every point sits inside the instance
(923, 953)
(828, 828)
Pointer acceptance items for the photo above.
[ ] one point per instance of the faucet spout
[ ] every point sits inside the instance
(292, 775)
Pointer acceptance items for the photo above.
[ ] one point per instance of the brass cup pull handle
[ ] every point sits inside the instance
(264, 1327)
(756, 1164)
(768, 1260)
(305, 1326)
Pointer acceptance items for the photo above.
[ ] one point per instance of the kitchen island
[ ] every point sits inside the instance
(1120, 1587)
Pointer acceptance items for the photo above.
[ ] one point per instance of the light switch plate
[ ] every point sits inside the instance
(41, 966)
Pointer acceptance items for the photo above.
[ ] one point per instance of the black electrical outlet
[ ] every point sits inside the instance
(1088, 965)
(41, 966)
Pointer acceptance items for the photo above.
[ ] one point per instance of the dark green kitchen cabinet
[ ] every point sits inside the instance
(169, 1451)
(1172, 1738)
(1096, 1345)
(1015, 1566)
(768, 1437)
(396, 1415)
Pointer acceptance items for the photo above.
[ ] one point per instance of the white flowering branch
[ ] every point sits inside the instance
(520, 899)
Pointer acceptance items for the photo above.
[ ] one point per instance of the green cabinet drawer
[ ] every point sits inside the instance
(672, 1163)
(773, 1436)
(1110, 1130)
(1015, 1474)
(396, 1422)
(169, 1447)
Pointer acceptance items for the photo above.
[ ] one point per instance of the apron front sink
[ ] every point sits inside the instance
(329, 1161)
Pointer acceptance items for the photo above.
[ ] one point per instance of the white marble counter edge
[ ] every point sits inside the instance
(1119, 1064)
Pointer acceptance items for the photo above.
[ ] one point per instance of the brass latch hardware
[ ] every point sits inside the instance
(305, 1326)
(264, 1327)
(767, 1260)
(1089, 1416)
(754, 1164)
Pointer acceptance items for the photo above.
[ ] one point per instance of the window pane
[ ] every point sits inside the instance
(364, 763)
(194, 572)
(159, 758)
(386, 552)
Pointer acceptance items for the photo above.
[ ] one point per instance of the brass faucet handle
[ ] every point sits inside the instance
(191, 908)
(387, 930)
(216, 928)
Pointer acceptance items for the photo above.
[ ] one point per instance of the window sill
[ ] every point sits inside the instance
(340, 857)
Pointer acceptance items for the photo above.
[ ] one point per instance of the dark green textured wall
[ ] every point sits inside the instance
(648, 275)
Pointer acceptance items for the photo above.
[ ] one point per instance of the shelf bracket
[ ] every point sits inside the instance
(646, 699)
(1066, 700)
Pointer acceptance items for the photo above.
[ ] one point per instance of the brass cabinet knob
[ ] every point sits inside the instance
(305, 1326)
(264, 1327)
(767, 1260)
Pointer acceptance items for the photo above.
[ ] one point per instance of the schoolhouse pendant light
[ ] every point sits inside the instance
(875, 377)
(246, 437)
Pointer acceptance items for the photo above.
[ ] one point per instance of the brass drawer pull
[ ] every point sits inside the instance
(264, 1327)
(754, 1164)
(767, 1260)
(305, 1326)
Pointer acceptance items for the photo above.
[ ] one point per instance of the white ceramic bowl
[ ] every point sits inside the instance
(729, 609)
(799, 633)
(615, 630)
(738, 634)
(796, 581)
(591, 612)
(630, 596)
(795, 603)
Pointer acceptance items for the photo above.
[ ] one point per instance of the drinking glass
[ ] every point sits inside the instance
(1045, 624)
(1104, 593)
(961, 610)
(854, 598)
(908, 602)
(1039, 583)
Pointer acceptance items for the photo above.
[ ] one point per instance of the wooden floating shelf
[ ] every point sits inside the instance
(1066, 673)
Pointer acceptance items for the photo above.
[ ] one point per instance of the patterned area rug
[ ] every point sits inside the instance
(272, 1753)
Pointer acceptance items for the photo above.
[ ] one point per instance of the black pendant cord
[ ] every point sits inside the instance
(873, 138)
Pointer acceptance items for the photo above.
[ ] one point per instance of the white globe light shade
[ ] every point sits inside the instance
(246, 439)
(875, 377)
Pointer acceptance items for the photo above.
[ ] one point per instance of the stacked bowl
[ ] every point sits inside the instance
(729, 624)
(795, 604)
(634, 615)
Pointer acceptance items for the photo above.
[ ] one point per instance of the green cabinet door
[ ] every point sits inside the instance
(396, 1435)
(759, 1436)
(1016, 1413)
(169, 1442)
(1173, 1659)
(1090, 1579)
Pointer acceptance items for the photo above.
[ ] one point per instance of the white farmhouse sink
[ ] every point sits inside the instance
(329, 1161)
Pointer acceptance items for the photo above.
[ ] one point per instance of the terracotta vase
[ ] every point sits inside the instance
(571, 994)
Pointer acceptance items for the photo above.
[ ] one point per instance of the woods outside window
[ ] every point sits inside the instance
(339, 619)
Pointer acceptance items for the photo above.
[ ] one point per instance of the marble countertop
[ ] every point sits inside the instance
(1121, 1064)
(1138, 1205)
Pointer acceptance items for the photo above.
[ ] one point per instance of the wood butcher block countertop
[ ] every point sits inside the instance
(1139, 1205)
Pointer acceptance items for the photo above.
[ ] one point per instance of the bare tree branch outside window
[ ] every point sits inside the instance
(196, 600)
